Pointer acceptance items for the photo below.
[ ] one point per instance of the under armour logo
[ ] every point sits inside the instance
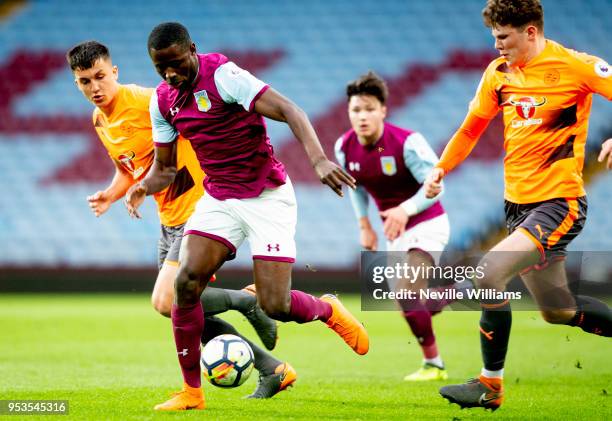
(274, 247)
(174, 111)
(183, 352)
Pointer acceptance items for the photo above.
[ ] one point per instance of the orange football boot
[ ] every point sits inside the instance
(188, 398)
(347, 326)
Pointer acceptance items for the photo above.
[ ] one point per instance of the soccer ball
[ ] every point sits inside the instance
(227, 361)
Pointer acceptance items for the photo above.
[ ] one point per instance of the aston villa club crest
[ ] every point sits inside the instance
(388, 165)
(202, 100)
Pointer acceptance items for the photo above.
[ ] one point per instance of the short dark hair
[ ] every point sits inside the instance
(166, 34)
(516, 13)
(368, 84)
(84, 55)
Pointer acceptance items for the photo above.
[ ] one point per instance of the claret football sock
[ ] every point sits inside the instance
(419, 320)
(495, 324)
(188, 323)
(307, 308)
(592, 316)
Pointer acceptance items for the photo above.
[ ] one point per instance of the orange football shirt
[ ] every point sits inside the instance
(546, 106)
(126, 134)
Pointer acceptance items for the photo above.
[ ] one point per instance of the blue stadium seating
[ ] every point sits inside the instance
(324, 45)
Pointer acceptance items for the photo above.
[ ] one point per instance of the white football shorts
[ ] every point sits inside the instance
(430, 236)
(267, 221)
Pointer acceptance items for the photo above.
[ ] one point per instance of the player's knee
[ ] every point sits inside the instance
(485, 283)
(187, 285)
(162, 304)
(557, 317)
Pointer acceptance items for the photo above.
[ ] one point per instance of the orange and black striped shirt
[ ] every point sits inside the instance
(126, 134)
(546, 106)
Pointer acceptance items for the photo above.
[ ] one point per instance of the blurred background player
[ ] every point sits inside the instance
(220, 108)
(390, 164)
(121, 119)
(544, 91)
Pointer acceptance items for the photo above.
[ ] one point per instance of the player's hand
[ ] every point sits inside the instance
(606, 152)
(433, 183)
(334, 176)
(134, 198)
(368, 238)
(395, 222)
(99, 202)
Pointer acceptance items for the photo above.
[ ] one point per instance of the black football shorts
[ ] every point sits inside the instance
(551, 224)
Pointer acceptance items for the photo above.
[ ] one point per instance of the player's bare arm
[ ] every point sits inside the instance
(100, 201)
(275, 106)
(367, 235)
(433, 183)
(606, 153)
(396, 219)
(160, 176)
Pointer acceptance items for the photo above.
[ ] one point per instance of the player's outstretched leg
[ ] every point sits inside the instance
(346, 325)
(273, 281)
(482, 392)
(217, 300)
(558, 305)
(418, 315)
(592, 316)
(201, 258)
(487, 391)
(187, 323)
(495, 323)
(269, 385)
(419, 320)
(274, 375)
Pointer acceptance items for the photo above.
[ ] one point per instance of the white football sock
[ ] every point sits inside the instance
(437, 361)
(490, 374)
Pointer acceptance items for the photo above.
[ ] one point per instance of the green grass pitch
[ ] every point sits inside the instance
(112, 357)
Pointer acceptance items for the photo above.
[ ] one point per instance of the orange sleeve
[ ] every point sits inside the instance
(595, 74)
(462, 142)
(485, 103)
